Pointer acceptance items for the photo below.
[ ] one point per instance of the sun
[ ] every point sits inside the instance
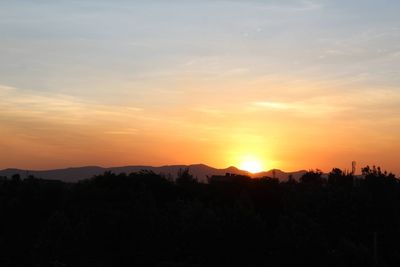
(253, 166)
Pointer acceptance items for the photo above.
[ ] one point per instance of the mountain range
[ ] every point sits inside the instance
(200, 171)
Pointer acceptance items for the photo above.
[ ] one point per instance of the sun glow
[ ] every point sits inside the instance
(251, 165)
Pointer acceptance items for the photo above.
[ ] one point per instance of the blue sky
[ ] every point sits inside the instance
(63, 45)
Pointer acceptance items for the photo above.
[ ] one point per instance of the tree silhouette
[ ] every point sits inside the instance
(145, 219)
(185, 178)
(312, 177)
(339, 178)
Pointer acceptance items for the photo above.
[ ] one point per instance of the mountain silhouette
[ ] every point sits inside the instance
(200, 171)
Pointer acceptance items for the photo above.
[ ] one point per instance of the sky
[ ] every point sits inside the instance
(289, 84)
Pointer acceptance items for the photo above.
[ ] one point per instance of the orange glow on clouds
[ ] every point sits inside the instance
(248, 129)
(216, 84)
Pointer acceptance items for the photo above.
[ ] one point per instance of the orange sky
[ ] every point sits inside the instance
(293, 85)
(219, 129)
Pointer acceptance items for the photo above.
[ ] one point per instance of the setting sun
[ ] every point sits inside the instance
(253, 166)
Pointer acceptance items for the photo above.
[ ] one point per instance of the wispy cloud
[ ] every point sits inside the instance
(57, 108)
(357, 104)
(210, 111)
(129, 131)
(272, 105)
(286, 6)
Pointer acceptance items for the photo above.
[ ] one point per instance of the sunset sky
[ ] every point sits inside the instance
(292, 84)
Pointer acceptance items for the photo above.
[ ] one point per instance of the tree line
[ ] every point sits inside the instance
(146, 219)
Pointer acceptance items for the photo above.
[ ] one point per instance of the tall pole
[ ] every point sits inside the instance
(353, 167)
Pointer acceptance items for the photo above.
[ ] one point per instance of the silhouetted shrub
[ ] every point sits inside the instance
(144, 219)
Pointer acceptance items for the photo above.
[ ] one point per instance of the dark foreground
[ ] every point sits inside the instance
(142, 219)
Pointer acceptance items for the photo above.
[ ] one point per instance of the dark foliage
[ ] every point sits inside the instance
(143, 219)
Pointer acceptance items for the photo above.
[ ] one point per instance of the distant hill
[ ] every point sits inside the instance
(200, 171)
(281, 175)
